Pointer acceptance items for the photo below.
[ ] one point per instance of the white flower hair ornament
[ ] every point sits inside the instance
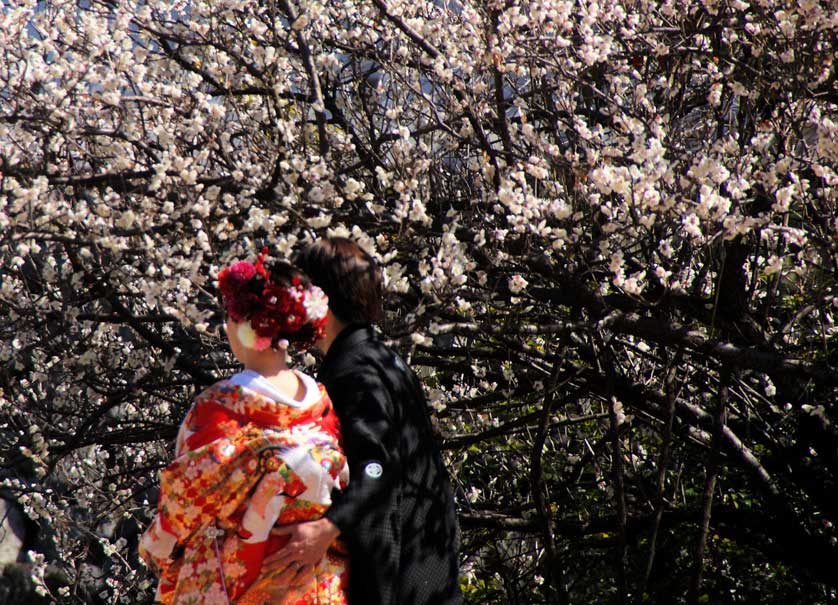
(316, 303)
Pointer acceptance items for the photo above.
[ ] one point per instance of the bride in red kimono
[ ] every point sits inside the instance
(257, 450)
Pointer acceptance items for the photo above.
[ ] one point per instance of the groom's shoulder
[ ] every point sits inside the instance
(368, 358)
(365, 355)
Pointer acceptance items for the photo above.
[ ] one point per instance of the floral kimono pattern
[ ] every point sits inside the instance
(243, 464)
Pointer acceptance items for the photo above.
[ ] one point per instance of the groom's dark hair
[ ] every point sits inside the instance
(348, 276)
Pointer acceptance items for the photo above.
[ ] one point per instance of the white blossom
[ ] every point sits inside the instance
(517, 284)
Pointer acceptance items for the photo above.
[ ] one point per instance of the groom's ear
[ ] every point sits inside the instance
(333, 324)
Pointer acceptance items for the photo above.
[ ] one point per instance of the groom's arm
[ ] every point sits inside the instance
(366, 413)
(367, 419)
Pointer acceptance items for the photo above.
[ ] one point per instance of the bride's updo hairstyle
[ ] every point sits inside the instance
(274, 305)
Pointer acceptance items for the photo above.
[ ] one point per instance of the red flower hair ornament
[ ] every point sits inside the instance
(269, 313)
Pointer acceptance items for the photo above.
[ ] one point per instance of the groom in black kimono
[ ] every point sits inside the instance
(397, 515)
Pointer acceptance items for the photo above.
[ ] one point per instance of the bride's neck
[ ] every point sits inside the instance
(269, 366)
(275, 370)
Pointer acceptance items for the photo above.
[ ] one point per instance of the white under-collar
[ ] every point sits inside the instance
(254, 381)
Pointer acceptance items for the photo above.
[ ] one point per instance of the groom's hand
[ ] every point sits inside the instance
(307, 545)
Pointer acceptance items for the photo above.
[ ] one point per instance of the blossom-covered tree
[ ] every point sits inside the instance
(608, 234)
